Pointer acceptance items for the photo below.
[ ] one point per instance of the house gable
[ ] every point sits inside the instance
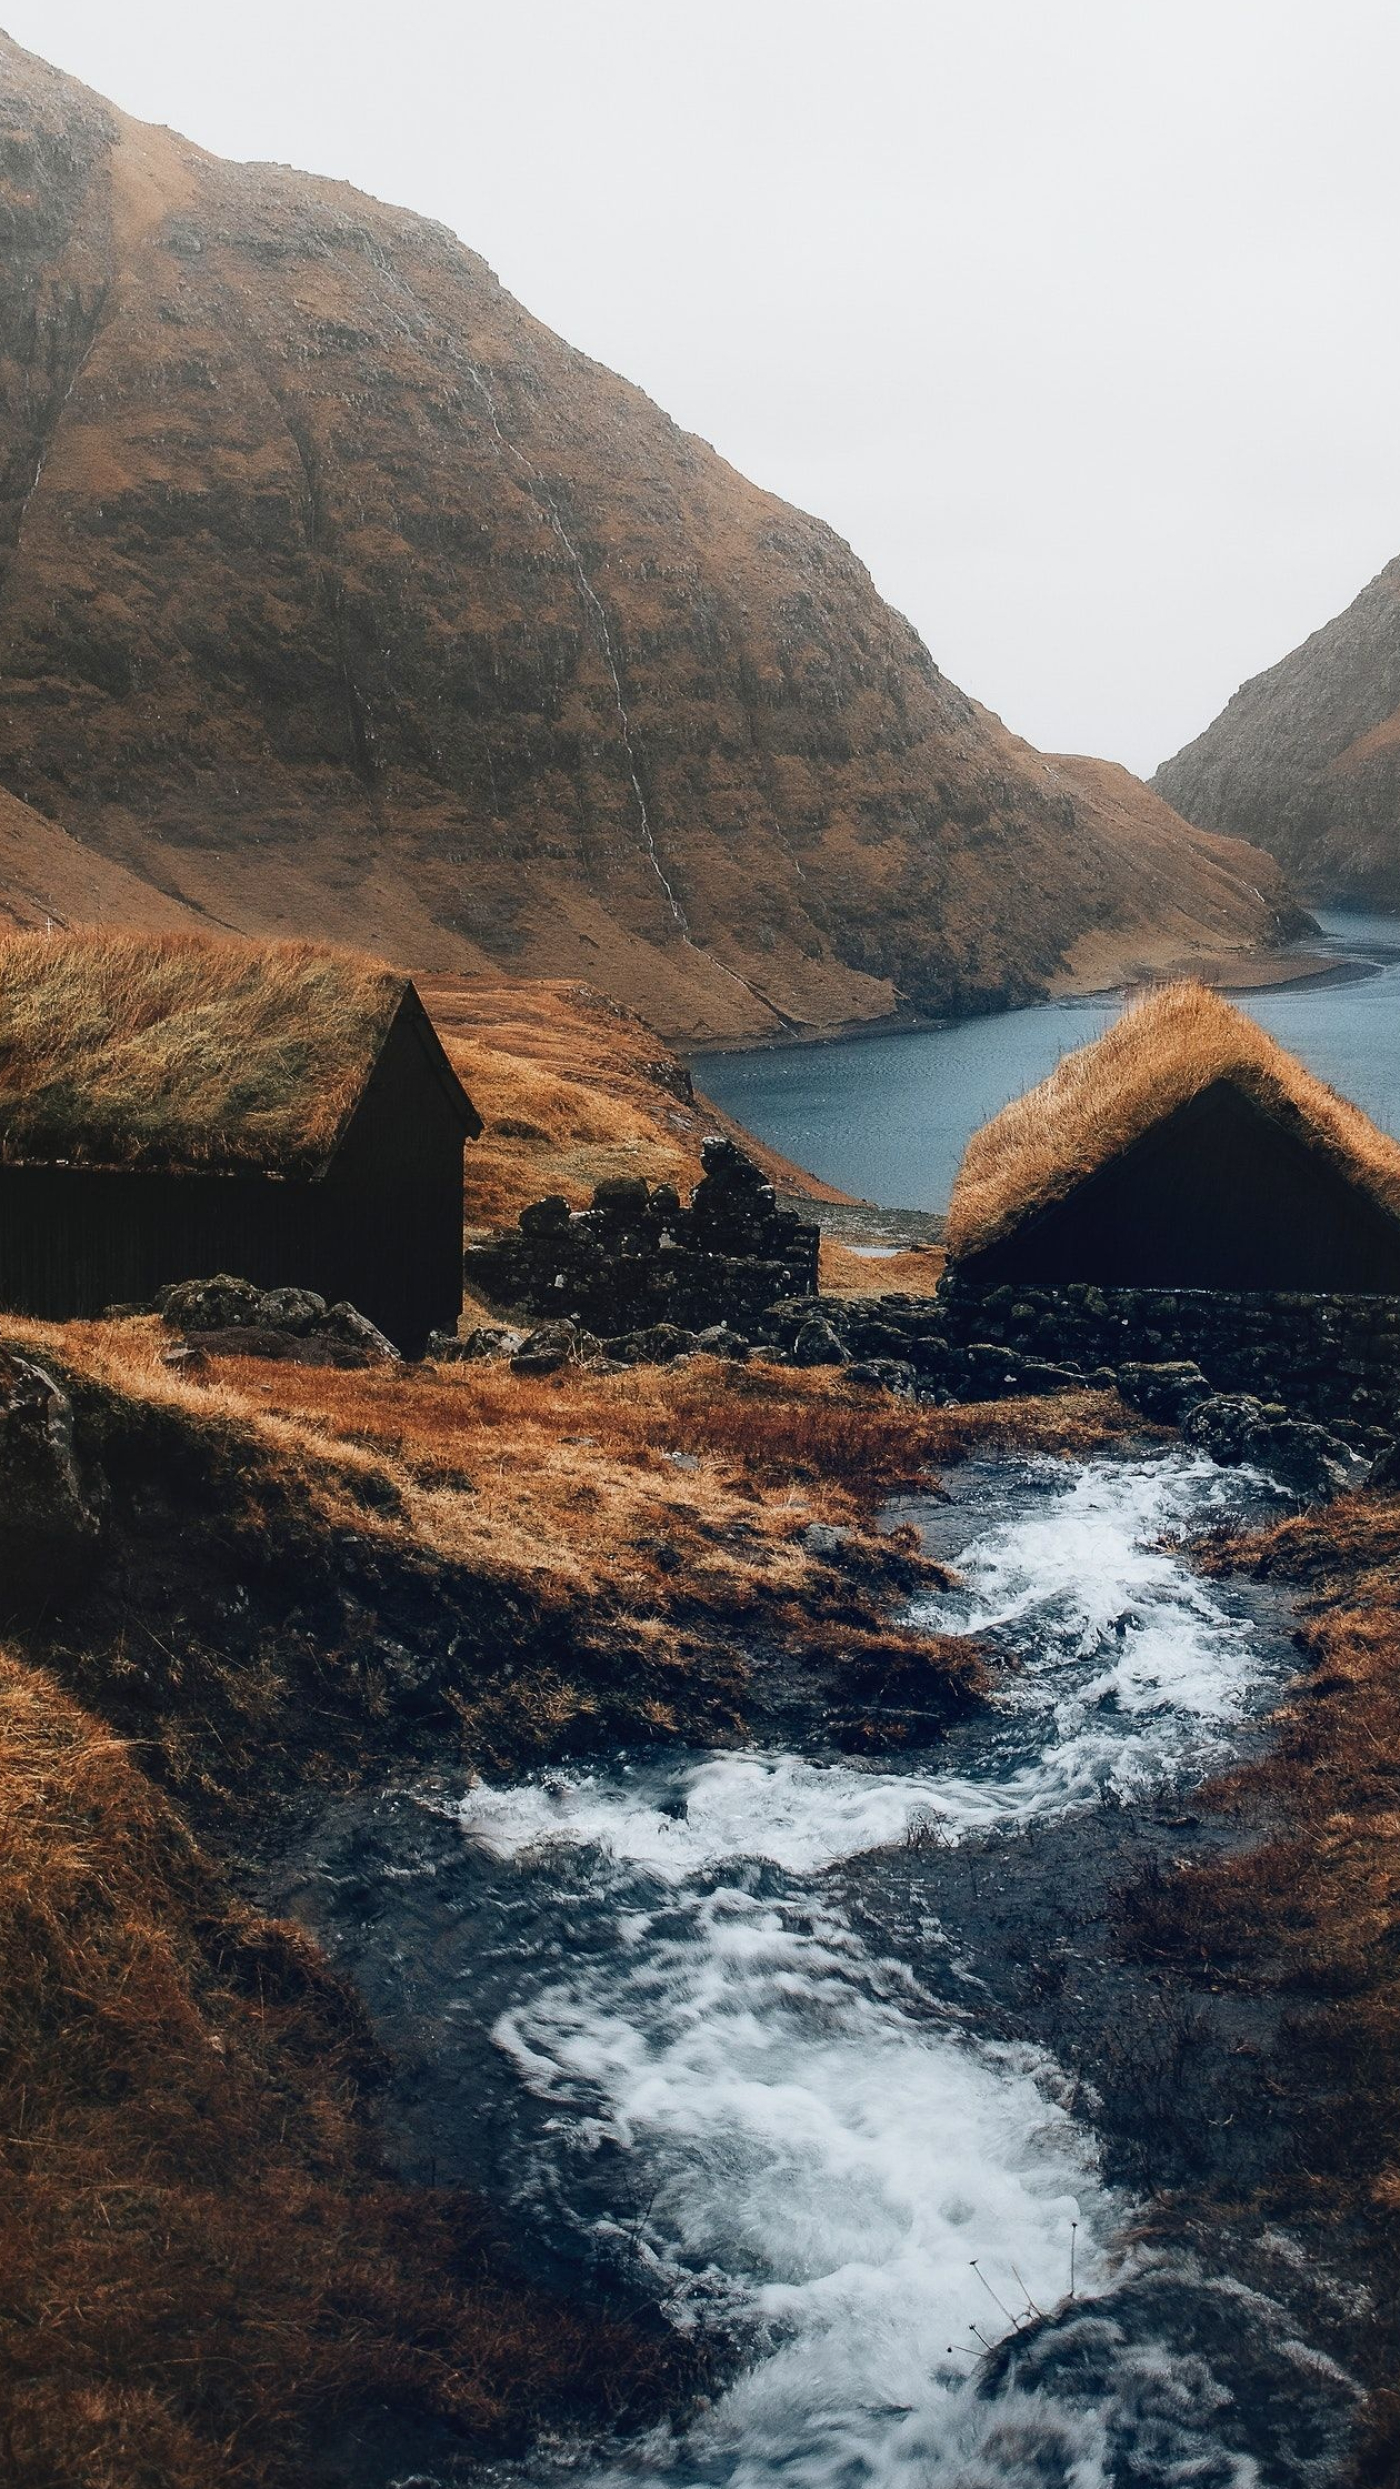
(1225, 1191)
(412, 1115)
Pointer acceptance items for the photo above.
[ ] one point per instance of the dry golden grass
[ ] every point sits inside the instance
(915, 1271)
(573, 1088)
(600, 1552)
(570, 1476)
(1309, 1907)
(204, 2267)
(1163, 1052)
(157, 1050)
(206, 2271)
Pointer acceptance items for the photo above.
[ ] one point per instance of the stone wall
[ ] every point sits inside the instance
(637, 1258)
(1335, 1357)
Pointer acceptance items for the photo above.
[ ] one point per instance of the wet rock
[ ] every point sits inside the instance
(50, 1516)
(1223, 1425)
(1315, 1463)
(1166, 1393)
(1384, 1475)
(1235, 1429)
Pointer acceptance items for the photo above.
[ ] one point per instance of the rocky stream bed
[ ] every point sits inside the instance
(844, 2068)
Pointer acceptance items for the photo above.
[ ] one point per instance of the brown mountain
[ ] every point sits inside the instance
(339, 596)
(1306, 758)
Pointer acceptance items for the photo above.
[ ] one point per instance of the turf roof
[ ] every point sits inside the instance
(1162, 1053)
(170, 1051)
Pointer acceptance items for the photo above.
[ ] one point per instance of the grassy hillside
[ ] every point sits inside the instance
(303, 1578)
(341, 598)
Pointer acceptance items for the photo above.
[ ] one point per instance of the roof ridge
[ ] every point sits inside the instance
(1165, 1049)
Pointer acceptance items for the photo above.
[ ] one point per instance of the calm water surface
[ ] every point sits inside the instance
(887, 1118)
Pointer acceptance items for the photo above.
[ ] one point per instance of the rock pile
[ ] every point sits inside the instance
(227, 1317)
(637, 1259)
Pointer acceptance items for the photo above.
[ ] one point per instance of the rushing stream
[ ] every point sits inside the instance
(723, 2049)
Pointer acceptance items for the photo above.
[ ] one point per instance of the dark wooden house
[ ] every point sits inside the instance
(1184, 1150)
(172, 1108)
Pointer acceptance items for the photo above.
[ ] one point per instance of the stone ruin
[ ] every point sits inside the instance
(637, 1258)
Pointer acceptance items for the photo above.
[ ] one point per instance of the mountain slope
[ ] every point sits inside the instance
(339, 596)
(1306, 758)
(46, 877)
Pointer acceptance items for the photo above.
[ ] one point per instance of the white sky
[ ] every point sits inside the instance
(1077, 317)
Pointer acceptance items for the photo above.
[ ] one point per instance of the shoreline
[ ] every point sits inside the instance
(1310, 971)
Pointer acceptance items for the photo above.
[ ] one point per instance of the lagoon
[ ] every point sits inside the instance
(887, 1118)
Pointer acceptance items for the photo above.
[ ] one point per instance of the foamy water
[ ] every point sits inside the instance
(807, 2150)
(1136, 1672)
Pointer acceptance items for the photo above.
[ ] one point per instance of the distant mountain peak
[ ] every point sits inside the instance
(1305, 759)
(338, 596)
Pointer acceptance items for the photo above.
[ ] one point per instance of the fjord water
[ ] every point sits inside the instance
(751, 2088)
(888, 1118)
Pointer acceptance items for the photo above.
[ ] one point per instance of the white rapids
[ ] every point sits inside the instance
(811, 2154)
(1135, 1672)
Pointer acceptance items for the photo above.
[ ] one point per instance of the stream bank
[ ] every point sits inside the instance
(773, 2044)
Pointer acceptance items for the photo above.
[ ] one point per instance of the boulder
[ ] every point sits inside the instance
(488, 1340)
(817, 1344)
(219, 1304)
(826, 1539)
(552, 1346)
(888, 1373)
(352, 1329)
(995, 1373)
(50, 1517)
(621, 1200)
(224, 1314)
(297, 1310)
(549, 1217)
(1166, 1393)
(1309, 1460)
(1223, 1425)
(660, 1344)
(720, 1341)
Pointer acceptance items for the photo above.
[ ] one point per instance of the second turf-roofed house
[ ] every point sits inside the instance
(1184, 1149)
(172, 1107)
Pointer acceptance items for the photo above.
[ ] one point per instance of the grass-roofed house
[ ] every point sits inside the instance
(1184, 1149)
(172, 1107)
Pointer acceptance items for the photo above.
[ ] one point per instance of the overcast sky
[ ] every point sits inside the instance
(1076, 317)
